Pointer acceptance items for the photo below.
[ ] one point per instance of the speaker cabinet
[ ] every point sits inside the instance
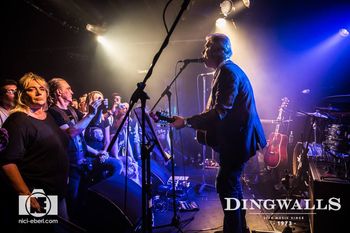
(107, 208)
(325, 185)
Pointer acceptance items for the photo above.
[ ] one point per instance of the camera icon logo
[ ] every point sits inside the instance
(48, 203)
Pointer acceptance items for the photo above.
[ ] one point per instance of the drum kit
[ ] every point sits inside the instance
(328, 140)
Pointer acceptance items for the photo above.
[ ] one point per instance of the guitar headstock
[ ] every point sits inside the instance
(161, 117)
(285, 102)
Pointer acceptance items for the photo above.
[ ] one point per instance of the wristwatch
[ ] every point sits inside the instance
(186, 123)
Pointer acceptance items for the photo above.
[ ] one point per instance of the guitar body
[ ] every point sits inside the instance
(276, 151)
(207, 137)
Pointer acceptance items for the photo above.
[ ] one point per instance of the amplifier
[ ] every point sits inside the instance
(325, 185)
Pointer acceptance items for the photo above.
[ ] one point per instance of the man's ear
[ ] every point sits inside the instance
(58, 92)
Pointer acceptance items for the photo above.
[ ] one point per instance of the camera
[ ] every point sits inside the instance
(122, 105)
(104, 106)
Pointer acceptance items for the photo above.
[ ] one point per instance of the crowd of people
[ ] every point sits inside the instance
(50, 142)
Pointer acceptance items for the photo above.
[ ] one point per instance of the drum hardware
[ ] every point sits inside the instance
(305, 150)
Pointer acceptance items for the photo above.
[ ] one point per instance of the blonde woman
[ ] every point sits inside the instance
(97, 136)
(35, 157)
(100, 120)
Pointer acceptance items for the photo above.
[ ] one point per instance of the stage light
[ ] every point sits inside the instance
(97, 30)
(220, 22)
(344, 32)
(227, 7)
(246, 3)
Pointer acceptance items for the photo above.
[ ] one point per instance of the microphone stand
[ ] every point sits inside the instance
(176, 219)
(141, 95)
(204, 147)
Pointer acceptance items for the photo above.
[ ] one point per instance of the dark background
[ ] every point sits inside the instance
(284, 46)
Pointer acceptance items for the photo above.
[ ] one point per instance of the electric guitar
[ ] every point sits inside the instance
(204, 137)
(276, 151)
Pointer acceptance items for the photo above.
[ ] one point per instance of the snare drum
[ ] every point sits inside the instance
(338, 138)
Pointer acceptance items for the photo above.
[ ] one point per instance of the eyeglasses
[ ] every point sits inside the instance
(11, 91)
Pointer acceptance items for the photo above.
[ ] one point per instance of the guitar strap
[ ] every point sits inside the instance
(210, 99)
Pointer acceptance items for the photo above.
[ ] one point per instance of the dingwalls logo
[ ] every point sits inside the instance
(332, 204)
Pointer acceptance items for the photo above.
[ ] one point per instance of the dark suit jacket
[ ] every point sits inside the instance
(233, 116)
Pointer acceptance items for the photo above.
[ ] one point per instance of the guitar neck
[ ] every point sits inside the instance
(279, 120)
(280, 114)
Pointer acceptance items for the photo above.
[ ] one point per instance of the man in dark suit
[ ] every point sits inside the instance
(232, 124)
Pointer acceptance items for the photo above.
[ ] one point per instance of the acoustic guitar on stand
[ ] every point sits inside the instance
(276, 151)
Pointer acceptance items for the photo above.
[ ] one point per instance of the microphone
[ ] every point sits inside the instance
(194, 60)
(207, 74)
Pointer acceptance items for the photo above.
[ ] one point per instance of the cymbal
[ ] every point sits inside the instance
(338, 99)
(328, 109)
(267, 121)
(313, 114)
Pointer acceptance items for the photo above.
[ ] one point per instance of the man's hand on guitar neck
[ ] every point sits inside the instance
(179, 122)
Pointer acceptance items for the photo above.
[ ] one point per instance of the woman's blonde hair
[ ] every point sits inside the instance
(22, 104)
(91, 97)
